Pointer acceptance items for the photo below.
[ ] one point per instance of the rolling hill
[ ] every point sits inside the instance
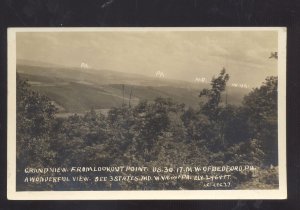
(79, 90)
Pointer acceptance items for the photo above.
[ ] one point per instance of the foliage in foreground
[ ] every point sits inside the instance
(153, 133)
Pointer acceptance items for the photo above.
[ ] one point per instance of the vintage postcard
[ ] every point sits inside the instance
(146, 113)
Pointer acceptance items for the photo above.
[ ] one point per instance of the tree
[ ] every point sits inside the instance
(152, 120)
(213, 109)
(213, 95)
(261, 107)
(35, 115)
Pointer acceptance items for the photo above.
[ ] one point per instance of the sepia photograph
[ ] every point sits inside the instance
(146, 113)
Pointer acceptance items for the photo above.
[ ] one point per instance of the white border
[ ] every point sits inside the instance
(12, 194)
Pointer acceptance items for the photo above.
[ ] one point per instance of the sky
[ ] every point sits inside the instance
(180, 55)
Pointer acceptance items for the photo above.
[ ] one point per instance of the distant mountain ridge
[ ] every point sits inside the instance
(78, 90)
